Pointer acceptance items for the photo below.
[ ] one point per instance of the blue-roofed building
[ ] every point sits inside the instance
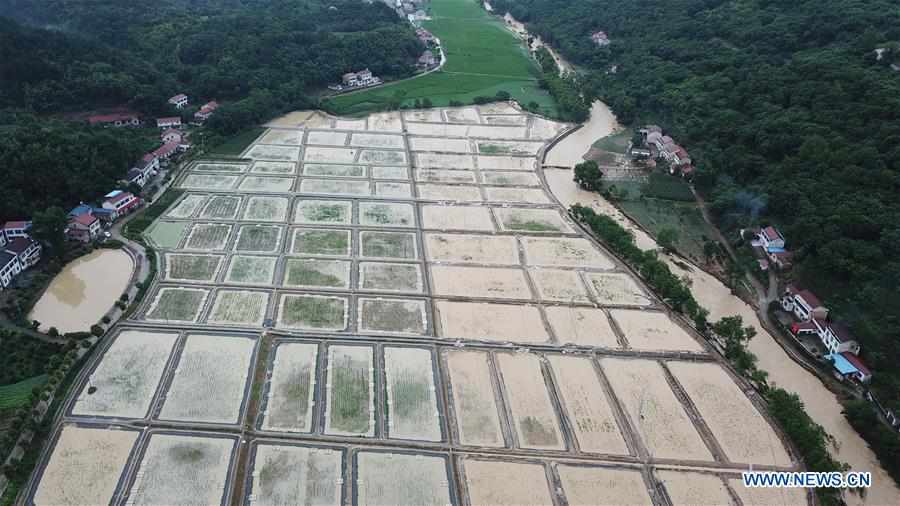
(105, 215)
(79, 210)
(848, 365)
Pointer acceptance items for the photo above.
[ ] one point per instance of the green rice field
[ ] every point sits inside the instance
(483, 57)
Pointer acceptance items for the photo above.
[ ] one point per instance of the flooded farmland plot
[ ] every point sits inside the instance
(449, 193)
(529, 401)
(445, 176)
(559, 286)
(350, 391)
(209, 381)
(564, 252)
(516, 195)
(258, 239)
(532, 220)
(326, 138)
(290, 400)
(251, 270)
(272, 152)
(444, 161)
(731, 417)
(208, 237)
(266, 209)
(126, 379)
(221, 207)
(312, 312)
(464, 218)
(473, 249)
(412, 411)
(389, 172)
(394, 190)
(758, 496)
(377, 141)
(275, 168)
(510, 178)
(266, 184)
(652, 330)
(440, 145)
(329, 170)
(178, 469)
(330, 155)
(694, 488)
(654, 411)
(316, 212)
(506, 483)
(239, 307)
(479, 282)
(320, 242)
(474, 400)
(389, 277)
(392, 315)
(490, 322)
(588, 486)
(200, 268)
(401, 478)
(581, 326)
(333, 187)
(376, 214)
(187, 206)
(173, 304)
(209, 182)
(84, 466)
(237, 168)
(284, 475)
(314, 273)
(617, 289)
(506, 163)
(589, 410)
(276, 136)
(388, 245)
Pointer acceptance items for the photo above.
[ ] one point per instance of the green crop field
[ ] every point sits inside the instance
(483, 57)
(16, 395)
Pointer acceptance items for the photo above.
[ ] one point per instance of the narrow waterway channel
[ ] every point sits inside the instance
(821, 404)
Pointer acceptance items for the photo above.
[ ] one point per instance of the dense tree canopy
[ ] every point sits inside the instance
(790, 116)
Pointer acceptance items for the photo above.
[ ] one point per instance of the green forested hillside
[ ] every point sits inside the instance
(790, 116)
(139, 53)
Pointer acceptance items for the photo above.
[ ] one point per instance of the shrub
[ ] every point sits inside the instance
(53, 332)
(97, 330)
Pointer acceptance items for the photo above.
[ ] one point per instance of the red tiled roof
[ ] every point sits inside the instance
(85, 219)
(681, 152)
(110, 118)
(176, 98)
(771, 233)
(210, 106)
(148, 157)
(166, 149)
(171, 131)
(810, 299)
(169, 119)
(857, 363)
(841, 332)
(119, 197)
(15, 224)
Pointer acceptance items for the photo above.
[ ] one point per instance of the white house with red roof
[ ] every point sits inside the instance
(770, 237)
(164, 152)
(803, 303)
(168, 122)
(206, 110)
(180, 101)
(13, 229)
(115, 120)
(121, 202)
(84, 227)
(9, 268)
(600, 38)
(26, 249)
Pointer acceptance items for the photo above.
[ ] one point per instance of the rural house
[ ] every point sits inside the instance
(26, 249)
(169, 122)
(9, 268)
(600, 38)
(362, 78)
(206, 110)
(121, 203)
(803, 303)
(84, 227)
(171, 135)
(115, 120)
(164, 152)
(13, 229)
(180, 101)
(770, 237)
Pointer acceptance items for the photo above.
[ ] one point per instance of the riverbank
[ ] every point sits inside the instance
(821, 404)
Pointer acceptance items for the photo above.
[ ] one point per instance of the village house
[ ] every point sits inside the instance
(17, 253)
(849, 365)
(13, 229)
(427, 60)
(84, 227)
(206, 110)
(804, 304)
(115, 120)
(121, 203)
(770, 237)
(600, 38)
(145, 169)
(164, 152)
(425, 36)
(362, 78)
(26, 249)
(9, 268)
(171, 135)
(169, 122)
(180, 101)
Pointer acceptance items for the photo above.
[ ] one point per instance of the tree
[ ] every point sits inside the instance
(49, 228)
(589, 176)
(667, 238)
(735, 336)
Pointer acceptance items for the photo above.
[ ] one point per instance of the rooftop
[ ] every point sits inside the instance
(84, 219)
(19, 245)
(810, 299)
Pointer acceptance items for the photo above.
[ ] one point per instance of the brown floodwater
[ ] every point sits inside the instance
(821, 404)
(84, 291)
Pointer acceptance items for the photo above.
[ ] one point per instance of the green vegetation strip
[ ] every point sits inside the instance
(483, 58)
(237, 143)
(19, 394)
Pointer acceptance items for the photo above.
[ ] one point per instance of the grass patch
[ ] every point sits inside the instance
(193, 267)
(140, 223)
(19, 394)
(258, 238)
(167, 234)
(393, 316)
(221, 208)
(657, 214)
(177, 304)
(483, 57)
(515, 223)
(237, 143)
(350, 396)
(322, 212)
(615, 143)
(246, 269)
(324, 273)
(388, 244)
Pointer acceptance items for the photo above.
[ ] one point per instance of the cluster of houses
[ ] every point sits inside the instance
(18, 251)
(771, 244)
(87, 222)
(427, 60)
(412, 10)
(812, 320)
(130, 119)
(601, 39)
(662, 147)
